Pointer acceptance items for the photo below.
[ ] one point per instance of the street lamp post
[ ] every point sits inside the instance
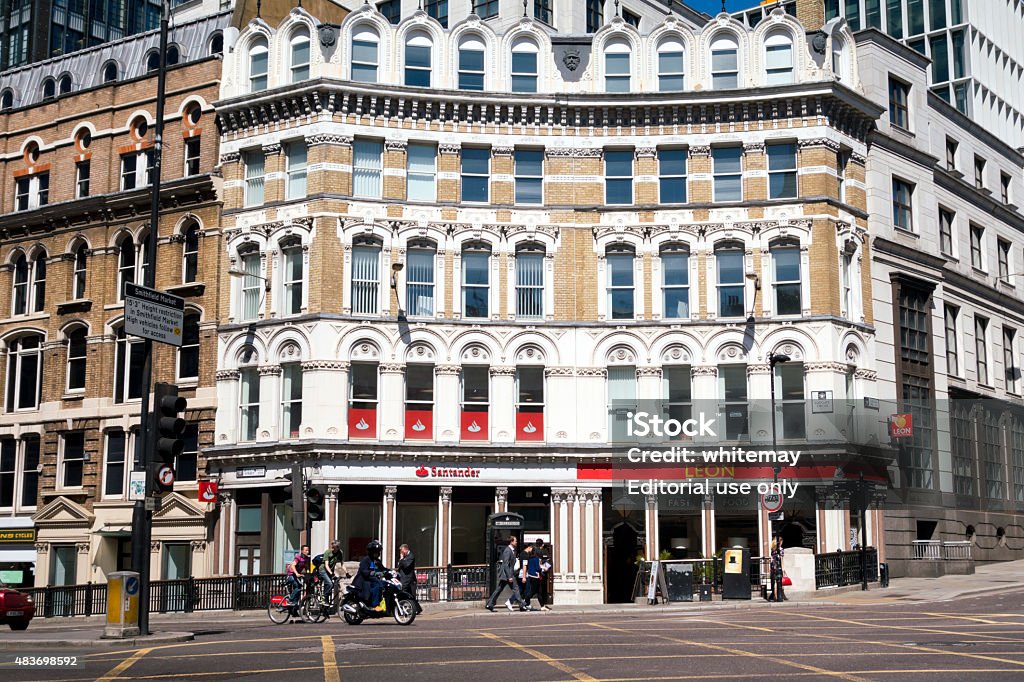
(776, 568)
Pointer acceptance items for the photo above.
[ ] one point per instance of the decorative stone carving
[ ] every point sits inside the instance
(396, 145)
(332, 492)
(704, 370)
(390, 491)
(446, 493)
(758, 369)
(501, 495)
(648, 372)
(600, 372)
(326, 365)
(649, 152)
(447, 370)
(392, 368)
(819, 142)
(571, 59)
(229, 157)
(558, 371)
(503, 371)
(753, 147)
(42, 547)
(675, 355)
(449, 148)
(502, 151)
(323, 138)
(364, 351)
(269, 370)
(272, 148)
(530, 355)
(837, 367)
(198, 545)
(83, 547)
(475, 353)
(697, 150)
(575, 152)
(227, 375)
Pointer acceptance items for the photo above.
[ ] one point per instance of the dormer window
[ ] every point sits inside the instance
(617, 67)
(725, 69)
(258, 64)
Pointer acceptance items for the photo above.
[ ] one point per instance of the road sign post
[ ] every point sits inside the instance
(154, 315)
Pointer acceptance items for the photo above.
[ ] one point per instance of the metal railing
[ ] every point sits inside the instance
(451, 583)
(837, 569)
(929, 550)
(704, 572)
(957, 550)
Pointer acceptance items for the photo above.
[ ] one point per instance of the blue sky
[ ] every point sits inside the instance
(713, 7)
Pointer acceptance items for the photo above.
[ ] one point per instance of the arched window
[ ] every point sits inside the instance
(188, 354)
(258, 62)
(419, 283)
(778, 59)
(24, 370)
(152, 61)
(471, 64)
(125, 264)
(731, 291)
(77, 359)
(524, 66)
(292, 277)
(253, 284)
(110, 72)
(671, 65)
(49, 88)
(143, 274)
(366, 276)
(129, 362)
(725, 65)
(418, 60)
(675, 271)
(64, 84)
(621, 301)
(365, 45)
(6, 100)
(786, 276)
(300, 55)
(476, 279)
(530, 280)
(19, 293)
(172, 56)
(617, 66)
(39, 282)
(81, 254)
(190, 252)
(837, 57)
(216, 44)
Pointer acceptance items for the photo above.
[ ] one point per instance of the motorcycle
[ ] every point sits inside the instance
(398, 603)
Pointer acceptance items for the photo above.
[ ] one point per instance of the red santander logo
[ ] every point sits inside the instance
(422, 472)
(447, 472)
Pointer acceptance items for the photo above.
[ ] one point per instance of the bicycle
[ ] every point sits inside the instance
(317, 606)
(281, 611)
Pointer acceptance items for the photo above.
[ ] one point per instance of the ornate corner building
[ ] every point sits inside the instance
(459, 248)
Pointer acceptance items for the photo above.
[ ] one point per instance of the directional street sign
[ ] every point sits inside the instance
(153, 315)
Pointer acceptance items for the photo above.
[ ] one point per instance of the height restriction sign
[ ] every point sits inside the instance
(153, 315)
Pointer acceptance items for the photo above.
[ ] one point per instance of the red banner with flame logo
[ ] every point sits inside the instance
(362, 423)
(474, 426)
(419, 424)
(530, 426)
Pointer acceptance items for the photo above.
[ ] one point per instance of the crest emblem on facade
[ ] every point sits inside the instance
(571, 59)
(328, 35)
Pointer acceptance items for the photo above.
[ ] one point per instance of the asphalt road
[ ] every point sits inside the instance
(974, 638)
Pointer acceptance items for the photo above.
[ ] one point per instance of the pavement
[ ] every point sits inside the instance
(86, 632)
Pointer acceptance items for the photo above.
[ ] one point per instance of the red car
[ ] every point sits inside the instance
(16, 608)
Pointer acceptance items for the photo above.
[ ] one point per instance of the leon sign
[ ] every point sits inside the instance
(901, 426)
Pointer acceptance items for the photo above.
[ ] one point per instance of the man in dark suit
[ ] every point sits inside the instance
(507, 577)
(407, 573)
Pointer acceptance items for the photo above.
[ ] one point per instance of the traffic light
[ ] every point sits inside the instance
(315, 503)
(166, 428)
(297, 499)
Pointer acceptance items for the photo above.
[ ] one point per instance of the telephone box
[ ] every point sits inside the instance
(498, 530)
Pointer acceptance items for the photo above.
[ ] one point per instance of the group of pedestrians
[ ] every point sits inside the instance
(525, 573)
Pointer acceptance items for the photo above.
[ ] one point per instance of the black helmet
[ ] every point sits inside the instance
(374, 549)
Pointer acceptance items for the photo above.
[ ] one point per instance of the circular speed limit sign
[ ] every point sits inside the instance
(165, 475)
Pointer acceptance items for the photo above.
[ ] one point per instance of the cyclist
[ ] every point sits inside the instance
(296, 571)
(367, 579)
(320, 568)
(333, 558)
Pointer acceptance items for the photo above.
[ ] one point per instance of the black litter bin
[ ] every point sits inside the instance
(705, 592)
(883, 574)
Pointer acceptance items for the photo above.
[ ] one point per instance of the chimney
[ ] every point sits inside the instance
(811, 13)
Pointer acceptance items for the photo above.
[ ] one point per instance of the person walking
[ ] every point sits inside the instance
(545, 569)
(532, 571)
(507, 577)
(407, 573)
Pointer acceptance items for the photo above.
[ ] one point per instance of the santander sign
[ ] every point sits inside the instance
(447, 472)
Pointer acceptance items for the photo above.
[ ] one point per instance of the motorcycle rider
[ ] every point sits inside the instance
(295, 571)
(367, 579)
